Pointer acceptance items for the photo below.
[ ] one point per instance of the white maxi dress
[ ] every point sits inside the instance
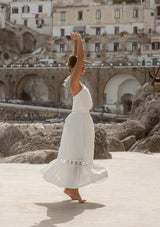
(74, 165)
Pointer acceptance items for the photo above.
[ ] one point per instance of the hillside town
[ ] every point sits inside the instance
(115, 32)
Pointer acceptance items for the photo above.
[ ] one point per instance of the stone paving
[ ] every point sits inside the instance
(129, 198)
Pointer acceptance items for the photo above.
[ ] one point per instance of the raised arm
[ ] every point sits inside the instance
(79, 67)
(75, 47)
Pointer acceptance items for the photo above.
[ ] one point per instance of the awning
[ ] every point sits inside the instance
(79, 28)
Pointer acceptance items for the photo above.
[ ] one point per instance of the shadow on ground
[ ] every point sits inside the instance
(64, 211)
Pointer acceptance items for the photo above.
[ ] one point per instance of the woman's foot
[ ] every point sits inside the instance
(74, 194)
(67, 191)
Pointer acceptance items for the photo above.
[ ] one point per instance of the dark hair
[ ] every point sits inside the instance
(72, 61)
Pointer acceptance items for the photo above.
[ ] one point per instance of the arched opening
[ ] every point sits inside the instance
(119, 92)
(29, 42)
(126, 101)
(3, 90)
(10, 115)
(32, 89)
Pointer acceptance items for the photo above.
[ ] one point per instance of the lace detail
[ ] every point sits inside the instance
(76, 162)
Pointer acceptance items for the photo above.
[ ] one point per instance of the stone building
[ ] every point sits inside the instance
(112, 32)
(34, 14)
(150, 52)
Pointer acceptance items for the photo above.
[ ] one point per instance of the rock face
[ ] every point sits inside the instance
(128, 142)
(114, 144)
(8, 138)
(101, 143)
(32, 157)
(37, 142)
(151, 143)
(146, 107)
(129, 128)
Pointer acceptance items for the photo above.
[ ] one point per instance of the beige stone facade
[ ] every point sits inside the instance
(112, 32)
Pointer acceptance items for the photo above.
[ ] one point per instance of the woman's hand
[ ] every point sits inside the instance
(76, 36)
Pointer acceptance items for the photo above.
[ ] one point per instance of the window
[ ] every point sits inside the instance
(14, 10)
(135, 12)
(62, 32)
(116, 30)
(117, 14)
(116, 47)
(134, 30)
(134, 46)
(25, 9)
(155, 45)
(98, 31)
(97, 47)
(63, 16)
(152, 14)
(98, 14)
(62, 48)
(149, 30)
(158, 10)
(40, 9)
(80, 15)
(155, 61)
(25, 23)
(146, 47)
(39, 23)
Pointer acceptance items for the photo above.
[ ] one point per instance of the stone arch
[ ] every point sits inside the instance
(4, 91)
(28, 41)
(135, 75)
(116, 87)
(10, 114)
(128, 86)
(63, 95)
(33, 87)
(30, 115)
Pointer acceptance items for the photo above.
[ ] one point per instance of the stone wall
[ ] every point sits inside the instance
(14, 80)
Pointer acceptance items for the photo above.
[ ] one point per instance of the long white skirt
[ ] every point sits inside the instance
(74, 165)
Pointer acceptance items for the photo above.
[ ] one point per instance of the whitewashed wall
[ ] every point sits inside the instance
(30, 17)
(2, 17)
(117, 86)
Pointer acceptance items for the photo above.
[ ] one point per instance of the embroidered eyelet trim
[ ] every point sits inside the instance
(76, 162)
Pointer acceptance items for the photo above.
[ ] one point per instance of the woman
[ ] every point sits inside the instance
(74, 166)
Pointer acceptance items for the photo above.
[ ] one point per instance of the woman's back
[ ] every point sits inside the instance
(82, 102)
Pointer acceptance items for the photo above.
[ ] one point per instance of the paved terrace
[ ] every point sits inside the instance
(129, 198)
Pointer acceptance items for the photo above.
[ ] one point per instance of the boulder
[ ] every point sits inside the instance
(151, 143)
(101, 144)
(114, 144)
(155, 130)
(32, 157)
(146, 107)
(128, 142)
(130, 128)
(37, 142)
(8, 138)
